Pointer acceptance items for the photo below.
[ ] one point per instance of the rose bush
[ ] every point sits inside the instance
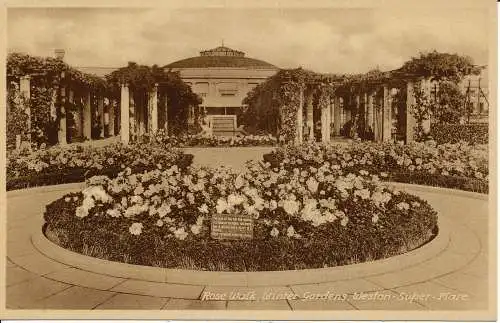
(204, 140)
(74, 163)
(458, 165)
(305, 217)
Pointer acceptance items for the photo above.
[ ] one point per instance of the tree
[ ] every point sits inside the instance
(448, 70)
(441, 66)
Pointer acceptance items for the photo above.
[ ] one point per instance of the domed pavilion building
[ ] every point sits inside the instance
(222, 77)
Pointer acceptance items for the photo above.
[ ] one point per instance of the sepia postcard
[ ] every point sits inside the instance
(286, 160)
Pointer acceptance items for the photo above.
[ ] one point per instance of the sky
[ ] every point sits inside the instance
(327, 40)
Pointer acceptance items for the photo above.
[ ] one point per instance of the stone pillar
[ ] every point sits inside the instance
(310, 115)
(132, 115)
(370, 113)
(76, 117)
(25, 89)
(410, 119)
(325, 124)
(153, 98)
(165, 125)
(140, 107)
(426, 123)
(337, 110)
(87, 117)
(111, 113)
(387, 117)
(100, 110)
(300, 118)
(61, 134)
(124, 114)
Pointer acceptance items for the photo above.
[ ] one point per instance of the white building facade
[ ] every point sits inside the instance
(222, 77)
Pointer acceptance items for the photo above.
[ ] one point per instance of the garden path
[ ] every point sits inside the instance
(35, 281)
(234, 157)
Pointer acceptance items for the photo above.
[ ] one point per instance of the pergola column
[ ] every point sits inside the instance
(426, 123)
(76, 117)
(387, 117)
(100, 111)
(25, 89)
(87, 117)
(165, 124)
(61, 134)
(310, 115)
(111, 114)
(325, 123)
(132, 115)
(410, 118)
(337, 110)
(370, 114)
(124, 114)
(153, 113)
(300, 118)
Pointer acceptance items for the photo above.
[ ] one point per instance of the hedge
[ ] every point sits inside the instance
(453, 133)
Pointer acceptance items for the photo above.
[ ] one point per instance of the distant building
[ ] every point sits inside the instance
(222, 77)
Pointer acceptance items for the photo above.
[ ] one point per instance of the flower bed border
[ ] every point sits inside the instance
(287, 277)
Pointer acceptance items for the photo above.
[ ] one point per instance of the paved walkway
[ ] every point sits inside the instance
(234, 157)
(455, 279)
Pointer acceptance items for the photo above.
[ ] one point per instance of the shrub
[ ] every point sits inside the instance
(460, 165)
(58, 165)
(201, 140)
(454, 133)
(309, 219)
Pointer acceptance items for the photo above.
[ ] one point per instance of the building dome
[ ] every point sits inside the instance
(221, 57)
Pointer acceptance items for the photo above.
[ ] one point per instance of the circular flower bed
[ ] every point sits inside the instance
(303, 218)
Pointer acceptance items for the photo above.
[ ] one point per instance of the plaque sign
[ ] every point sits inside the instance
(231, 227)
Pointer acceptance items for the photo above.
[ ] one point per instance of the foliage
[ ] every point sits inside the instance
(474, 134)
(206, 140)
(141, 78)
(272, 106)
(440, 66)
(16, 118)
(58, 165)
(459, 160)
(308, 219)
(449, 107)
(47, 74)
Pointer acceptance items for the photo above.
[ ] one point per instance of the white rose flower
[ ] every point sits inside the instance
(221, 206)
(312, 184)
(290, 232)
(81, 212)
(274, 232)
(203, 208)
(135, 228)
(273, 205)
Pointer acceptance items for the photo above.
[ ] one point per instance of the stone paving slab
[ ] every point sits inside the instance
(38, 264)
(238, 293)
(159, 289)
(476, 286)
(84, 278)
(261, 305)
(438, 297)
(338, 287)
(129, 301)
(17, 249)
(17, 275)
(74, 298)
(189, 304)
(28, 292)
(382, 300)
(320, 305)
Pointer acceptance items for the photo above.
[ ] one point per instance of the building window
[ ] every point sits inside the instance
(227, 94)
